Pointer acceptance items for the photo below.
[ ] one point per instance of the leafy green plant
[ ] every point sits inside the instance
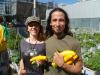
(92, 60)
(15, 56)
(97, 37)
(11, 39)
(13, 45)
(88, 40)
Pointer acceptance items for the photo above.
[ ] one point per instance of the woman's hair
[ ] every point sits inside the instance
(49, 31)
(40, 36)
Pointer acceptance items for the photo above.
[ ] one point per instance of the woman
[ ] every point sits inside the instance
(32, 46)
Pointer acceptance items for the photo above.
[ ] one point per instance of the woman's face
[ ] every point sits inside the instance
(57, 22)
(33, 30)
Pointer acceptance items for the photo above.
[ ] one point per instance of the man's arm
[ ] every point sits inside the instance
(73, 68)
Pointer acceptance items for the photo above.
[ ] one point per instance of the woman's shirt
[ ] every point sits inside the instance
(27, 50)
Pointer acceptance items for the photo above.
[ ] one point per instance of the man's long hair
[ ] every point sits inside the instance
(49, 31)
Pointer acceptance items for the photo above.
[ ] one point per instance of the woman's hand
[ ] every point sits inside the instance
(58, 59)
(22, 72)
(39, 62)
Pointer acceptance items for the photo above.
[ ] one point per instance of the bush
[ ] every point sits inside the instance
(14, 56)
(13, 45)
(93, 61)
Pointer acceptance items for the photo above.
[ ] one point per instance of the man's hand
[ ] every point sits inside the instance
(58, 59)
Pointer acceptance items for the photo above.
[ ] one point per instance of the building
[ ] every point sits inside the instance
(84, 14)
(21, 9)
(7, 8)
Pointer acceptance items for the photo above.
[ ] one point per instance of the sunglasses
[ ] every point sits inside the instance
(31, 25)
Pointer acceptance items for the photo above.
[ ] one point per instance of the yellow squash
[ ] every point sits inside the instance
(69, 57)
(39, 58)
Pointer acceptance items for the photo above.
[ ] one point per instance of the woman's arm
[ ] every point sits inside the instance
(21, 68)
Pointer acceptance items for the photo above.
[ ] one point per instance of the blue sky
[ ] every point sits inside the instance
(60, 1)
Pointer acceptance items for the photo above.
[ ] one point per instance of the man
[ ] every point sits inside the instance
(59, 37)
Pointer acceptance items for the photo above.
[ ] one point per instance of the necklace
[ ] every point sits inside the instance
(33, 50)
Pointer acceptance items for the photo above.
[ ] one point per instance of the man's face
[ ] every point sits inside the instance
(57, 22)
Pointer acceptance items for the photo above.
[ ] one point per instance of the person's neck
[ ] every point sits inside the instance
(33, 38)
(59, 35)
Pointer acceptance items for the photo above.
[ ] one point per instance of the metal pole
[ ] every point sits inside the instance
(34, 7)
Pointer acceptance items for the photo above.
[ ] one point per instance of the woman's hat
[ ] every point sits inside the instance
(32, 19)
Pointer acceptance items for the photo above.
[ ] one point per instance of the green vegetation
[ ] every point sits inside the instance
(92, 60)
(13, 45)
(89, 41)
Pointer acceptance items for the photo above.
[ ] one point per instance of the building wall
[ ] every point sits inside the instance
(91, 24)
(2, 8)
(87, 8)
(21, 9)
(83, 14)
(24, 10)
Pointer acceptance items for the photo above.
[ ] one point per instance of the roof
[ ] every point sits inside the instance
(84, 9)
